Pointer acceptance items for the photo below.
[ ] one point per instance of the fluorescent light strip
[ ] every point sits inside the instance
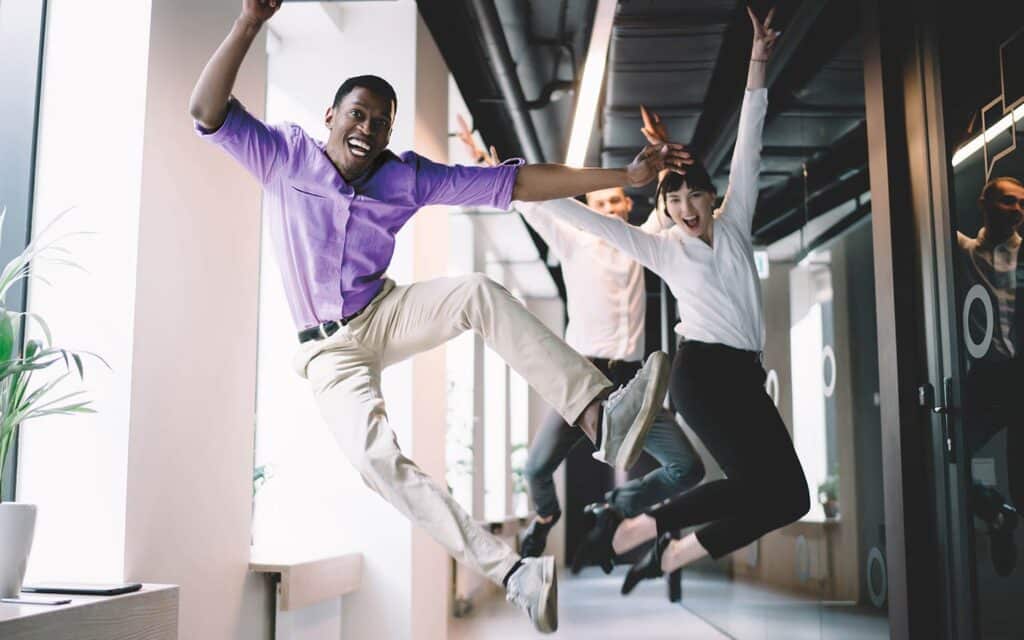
(590, 86)
(978, 141)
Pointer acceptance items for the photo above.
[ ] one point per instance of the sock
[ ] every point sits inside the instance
(515, 567)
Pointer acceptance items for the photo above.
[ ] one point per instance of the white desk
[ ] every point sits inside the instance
(149, 614)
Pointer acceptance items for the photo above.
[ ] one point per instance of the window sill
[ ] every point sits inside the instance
(149, 614)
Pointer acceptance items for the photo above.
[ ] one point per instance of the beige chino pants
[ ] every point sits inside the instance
(399, 322)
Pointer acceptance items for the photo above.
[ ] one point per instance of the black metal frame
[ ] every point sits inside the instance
(901, 113)
(22, 28)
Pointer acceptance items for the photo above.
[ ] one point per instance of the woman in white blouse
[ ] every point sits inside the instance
(717, 384)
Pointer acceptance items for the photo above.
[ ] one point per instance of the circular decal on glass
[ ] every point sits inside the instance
(878, 582)
(977, 293)
(771, 386)
(828, 361)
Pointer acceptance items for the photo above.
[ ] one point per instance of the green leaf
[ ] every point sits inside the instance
(32, 348)
(6, 336)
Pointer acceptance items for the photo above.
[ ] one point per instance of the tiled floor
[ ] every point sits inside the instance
(715, 609)
(590, 608)
(746, 611)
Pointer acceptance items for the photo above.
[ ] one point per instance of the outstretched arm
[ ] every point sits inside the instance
(646, 248)
(552, 181)
(209, 102)
(540, 182)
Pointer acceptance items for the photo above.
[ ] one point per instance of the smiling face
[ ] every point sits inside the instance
(360, 129)
(692, 209)
(611, 202)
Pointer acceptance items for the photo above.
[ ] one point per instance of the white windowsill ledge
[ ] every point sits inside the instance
(307, 581)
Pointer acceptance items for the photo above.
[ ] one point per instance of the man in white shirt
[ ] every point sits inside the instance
(991, 262)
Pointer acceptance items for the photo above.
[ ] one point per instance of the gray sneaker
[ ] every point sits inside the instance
(629, 413)
(534, 589)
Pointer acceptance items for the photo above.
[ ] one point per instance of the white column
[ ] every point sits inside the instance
(194, 359)
(431, 577)
(157, 485)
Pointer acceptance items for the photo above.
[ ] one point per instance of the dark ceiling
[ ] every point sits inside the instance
(687, 59)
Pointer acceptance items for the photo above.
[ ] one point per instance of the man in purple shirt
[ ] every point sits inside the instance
(334, 209)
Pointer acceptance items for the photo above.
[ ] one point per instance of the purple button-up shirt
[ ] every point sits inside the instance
(334, 239)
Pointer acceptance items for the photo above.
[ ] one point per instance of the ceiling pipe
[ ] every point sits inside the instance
(508, 82)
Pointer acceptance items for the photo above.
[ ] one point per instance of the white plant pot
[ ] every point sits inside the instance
(17, 527)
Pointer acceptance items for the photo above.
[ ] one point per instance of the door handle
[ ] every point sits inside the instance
(948, 411)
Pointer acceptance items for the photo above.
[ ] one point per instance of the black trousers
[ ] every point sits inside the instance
(992, 403)
(720, 393)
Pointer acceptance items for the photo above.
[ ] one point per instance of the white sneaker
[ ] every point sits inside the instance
(534, 589)
(629, 413)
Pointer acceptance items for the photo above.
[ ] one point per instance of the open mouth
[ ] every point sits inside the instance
(358, 148)
(691, 222)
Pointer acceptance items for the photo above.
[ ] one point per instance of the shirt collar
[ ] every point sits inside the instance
(1013, 242)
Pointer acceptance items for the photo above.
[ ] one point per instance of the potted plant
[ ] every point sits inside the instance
(828, 496)
(21, 400)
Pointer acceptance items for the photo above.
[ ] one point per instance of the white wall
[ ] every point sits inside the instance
(431, 228)
(157, 486)
(193, 386)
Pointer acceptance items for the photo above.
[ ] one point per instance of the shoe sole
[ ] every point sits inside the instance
(547, 612)
(632, 445)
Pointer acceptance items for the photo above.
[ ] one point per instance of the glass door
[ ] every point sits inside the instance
(979, 399)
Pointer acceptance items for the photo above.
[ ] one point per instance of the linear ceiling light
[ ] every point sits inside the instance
(978, 141)
(590, 86)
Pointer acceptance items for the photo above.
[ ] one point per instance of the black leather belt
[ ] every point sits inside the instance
(326, 329)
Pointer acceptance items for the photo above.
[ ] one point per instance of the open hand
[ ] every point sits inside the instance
(259, 11)
(654, 128)
(655, 157)
(764, 36)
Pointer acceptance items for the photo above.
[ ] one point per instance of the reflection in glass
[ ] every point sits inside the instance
(991, 274)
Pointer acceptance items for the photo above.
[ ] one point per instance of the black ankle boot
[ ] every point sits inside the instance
(536, 537)
(596, 546)
(649, 566)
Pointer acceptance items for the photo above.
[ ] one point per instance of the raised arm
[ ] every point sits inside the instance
(209, 102)
(741, 196)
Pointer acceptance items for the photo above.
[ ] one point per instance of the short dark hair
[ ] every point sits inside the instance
(376, 84)
(696, 178)
(988, 191)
